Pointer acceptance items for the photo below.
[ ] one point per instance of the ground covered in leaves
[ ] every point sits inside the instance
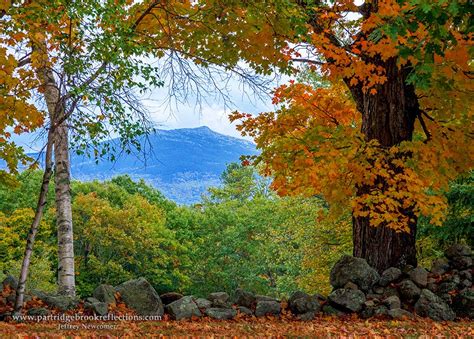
(321, 326)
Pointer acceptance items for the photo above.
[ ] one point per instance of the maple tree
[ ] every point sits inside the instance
(391, 129)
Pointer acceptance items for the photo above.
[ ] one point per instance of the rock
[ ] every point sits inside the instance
(203, 303)
(329, 310)
(259, 297)
(244, 298)
(463, 304)
(5, 316)
(367, 312)
(392, 302)
(430, 305)
(390, 275)
(461, 263)
(219, 299)
(408, 290)
(321, 298)
(99, 307)
(296, 295)
(105, 293)
(373, 296)
(446, 297)
(168, 298)
(92, 300)
(351, 285)
(11, 281)
(267, 307)
(61, 302)
(432, 287)
(301, 303)
(347, 299)
(11, 298)
(184, 308)
(457, 250)
(407, 269)
(221, 313)
(440, 266)
(446, 287)
(380, 310)
(398, 313)
(307, 316)
(455, 278)
(374, 311)
(245, 310)
(378, 290)
(419, 276)
(355, 270)
(389, 292)
(466, 274)
(139, 295)
(38, 311)
(369, 303)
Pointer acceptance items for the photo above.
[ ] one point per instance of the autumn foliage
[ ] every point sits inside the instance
(313, 145)
(316, 142)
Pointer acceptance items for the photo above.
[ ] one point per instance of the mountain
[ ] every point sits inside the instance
(181, 163)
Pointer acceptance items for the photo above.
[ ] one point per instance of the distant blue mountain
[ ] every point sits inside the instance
(181, 163)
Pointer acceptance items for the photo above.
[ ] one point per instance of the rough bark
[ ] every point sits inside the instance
(30, 240)
(389, 117)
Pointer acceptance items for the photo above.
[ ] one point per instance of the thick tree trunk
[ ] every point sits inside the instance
(56, 108)
(381, 246)
(20, 291)
(389, 117)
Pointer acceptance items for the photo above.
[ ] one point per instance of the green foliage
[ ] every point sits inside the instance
(151, 194)
(436, 17)
(242, 235)
(41, 275)
(14, 229)
(240, 183)
(24, 194)
(123, 237)
(120, 233)
(245, 236)
(458, 226)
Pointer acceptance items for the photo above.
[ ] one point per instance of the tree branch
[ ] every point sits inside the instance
(310, 61)
(425, 128)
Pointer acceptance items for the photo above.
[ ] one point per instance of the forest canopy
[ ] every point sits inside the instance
(240, 235)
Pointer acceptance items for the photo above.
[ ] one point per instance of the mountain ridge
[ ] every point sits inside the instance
(183, 162)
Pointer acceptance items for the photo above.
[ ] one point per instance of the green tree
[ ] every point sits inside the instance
(258, 241)
(119, 241)
(240, 183)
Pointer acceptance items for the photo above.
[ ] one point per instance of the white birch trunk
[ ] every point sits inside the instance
(62, 180)
(20, 291)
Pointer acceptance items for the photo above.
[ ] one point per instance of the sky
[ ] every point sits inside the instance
(212, 111)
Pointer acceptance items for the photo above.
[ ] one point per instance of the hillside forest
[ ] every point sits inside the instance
(240, 235)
